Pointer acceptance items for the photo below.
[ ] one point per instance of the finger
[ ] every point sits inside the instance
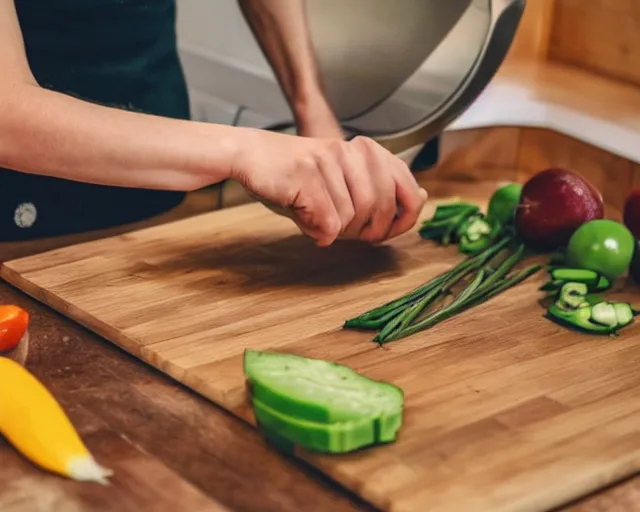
(332, 170)
(315, 213)
(383, 214)
(411, 200)
(359, 181)
(385, 208)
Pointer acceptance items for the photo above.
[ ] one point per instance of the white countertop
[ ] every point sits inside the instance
(595, 110)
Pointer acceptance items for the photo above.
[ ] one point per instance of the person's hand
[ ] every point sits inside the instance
(329, 187)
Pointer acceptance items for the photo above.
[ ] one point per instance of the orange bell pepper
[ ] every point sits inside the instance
(14, 322)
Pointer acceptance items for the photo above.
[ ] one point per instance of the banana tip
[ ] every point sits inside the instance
(86, 469)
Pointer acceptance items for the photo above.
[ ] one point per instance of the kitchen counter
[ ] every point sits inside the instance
(170, 448)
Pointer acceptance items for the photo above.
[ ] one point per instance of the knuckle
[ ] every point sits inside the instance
(334, 148)
(363, 139)
(307, 164)
(388, 205)
(366, 204)
(363, 143)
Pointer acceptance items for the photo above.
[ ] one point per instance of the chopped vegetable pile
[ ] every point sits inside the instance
(599, 252)
(484, 276)
(575, 308)
(492, 252)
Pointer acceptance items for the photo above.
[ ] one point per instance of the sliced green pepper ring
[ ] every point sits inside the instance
(479, 235)
(572, 295)
(464, 226)
(476, 229)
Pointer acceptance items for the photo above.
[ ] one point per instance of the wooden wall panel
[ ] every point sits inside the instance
(482, 154)
(541, 149)
(636, 175)
(599, 35)
(532, 38)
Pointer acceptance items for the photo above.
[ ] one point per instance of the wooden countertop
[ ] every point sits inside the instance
(170, 448)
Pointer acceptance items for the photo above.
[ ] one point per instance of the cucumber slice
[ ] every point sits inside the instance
(341, 437)
(575, 275)
(605, 314)
(572, 295)
(322, 391)
(624, 313)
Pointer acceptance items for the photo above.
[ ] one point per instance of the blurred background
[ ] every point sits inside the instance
(572, 66)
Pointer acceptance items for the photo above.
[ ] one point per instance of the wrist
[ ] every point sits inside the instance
(314, 117)
(220, 146)
(241, 146)
(310, 103)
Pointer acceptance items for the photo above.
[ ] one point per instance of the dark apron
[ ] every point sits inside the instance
(120, 53)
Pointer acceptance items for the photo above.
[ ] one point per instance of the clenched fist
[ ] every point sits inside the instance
(331, 188)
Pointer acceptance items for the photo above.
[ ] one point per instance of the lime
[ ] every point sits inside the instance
(601, 245)
(503, 203)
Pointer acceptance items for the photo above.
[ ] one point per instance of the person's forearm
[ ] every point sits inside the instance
(280, 27)
(48, 133)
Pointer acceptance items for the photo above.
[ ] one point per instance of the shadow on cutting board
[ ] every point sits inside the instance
(252, 263)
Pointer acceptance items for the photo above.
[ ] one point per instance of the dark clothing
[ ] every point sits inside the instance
(119, 53)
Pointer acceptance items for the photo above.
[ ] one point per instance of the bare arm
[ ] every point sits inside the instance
(329, 187)
(49, 133)
(281, 29)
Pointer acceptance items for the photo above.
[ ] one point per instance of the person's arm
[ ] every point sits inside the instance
(328, 187)
(49, 133)
(281, 29)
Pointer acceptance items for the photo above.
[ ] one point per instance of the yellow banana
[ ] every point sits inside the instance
(36, 425)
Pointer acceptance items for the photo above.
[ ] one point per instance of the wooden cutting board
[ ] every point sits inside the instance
(505, 411)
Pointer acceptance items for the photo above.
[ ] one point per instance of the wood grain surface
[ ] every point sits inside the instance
(171, 449)
(505, 410)
(598, 35)
(636, 175)
(532, 37)
(480, 154)
(610, 174)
